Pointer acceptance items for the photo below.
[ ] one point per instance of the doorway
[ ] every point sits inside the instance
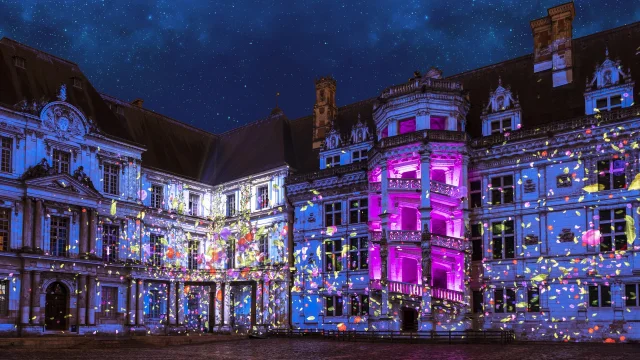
(56, 307)
(409, 319)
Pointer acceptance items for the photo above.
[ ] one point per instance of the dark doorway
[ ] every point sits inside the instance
(409, 319)
(56, 307)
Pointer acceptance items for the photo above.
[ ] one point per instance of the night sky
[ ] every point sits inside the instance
(219, 64)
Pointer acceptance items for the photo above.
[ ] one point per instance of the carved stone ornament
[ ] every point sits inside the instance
(531, 240)
(501, 99)
(63, 119)
(566, 235)
(333, 140)
(529, 186)
(360, 132)
(609, 73)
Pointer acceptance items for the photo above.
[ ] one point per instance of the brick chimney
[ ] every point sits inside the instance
(324, 110)
(552, 38)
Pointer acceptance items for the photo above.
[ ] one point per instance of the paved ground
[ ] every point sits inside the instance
(299, 349)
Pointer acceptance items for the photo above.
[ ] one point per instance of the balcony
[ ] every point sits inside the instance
(418, 236)
(446, 294)
(375, 186)
(404, 184)
(405, 288)
(445, 241)
(445, 189)
(416, 184)
(405, 235)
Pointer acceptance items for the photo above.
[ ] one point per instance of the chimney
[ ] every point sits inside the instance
(324, 110)
(552, 38)
(137, 102)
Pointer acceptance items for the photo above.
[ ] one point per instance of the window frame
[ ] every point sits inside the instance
(501, 126)
(507, 306)
(361, 305)
(263, 246)
(611, 233)
(231, 211)
(359, 210)
(5, 229)
(475, 240)
(5, 287)
(58, 161)
(475, 194)
(600, 303)
(156, 250)
(110, 241)
(609, 174)
(609, 105)
(192, 254)
(533, 305)
(109, 306)
(333, 214)
(111, 178)
(262, 200)
(503, 237)
(334, 300)
(19, 62)
(635, 302)
(154, 298)
(501, 190)
(362, 155)
(194, 196)
(6, 154)
(358, 252)
(156, 200)
(57, 224)
(330, 161)
(332, 255)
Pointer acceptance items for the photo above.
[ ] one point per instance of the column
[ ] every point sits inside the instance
(140, 302)
(25, 297)
(91, 300)
(35, 298)
(81, 306)
(254, 305)
(219, 305)
(84, 227)
(131, 303)
(37, 233)
(425, 196)
(260, 303)
(425, 306)
(467, 277)
(92, 231)
(173, 301)
(384, 284)
(226, 303)
(180, 299)
(27, 225)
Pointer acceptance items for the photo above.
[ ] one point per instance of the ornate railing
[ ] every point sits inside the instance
(445, 241)
(333, 171)
(572, 124)
(405, 184)
(422, 136)
(405, 235)
(374, 284)
(446, 294)
(417, 84)
(405, 288)
(444, 189)
(375, 186)
(376, 235)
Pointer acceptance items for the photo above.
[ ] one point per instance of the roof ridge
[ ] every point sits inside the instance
(255, 122)
(14, 42)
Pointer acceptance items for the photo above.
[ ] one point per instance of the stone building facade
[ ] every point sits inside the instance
(505, 197)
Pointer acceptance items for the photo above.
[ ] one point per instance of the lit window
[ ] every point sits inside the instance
(502, 190)
(156, 250)
(110, 179)
(110, 240)
(6, 154)
(5, 225)
(333, 255)
(59, 236)
(630, 294)
(109, 301)
(359, 253)
(359, 305)
(503, 239)
(613, 224)
(156, 196)
(475, 194)
(61, 161)
(533, 297)
(333, 305)
(476, 242)
(333, 214)
(358, 211)
(231, 205)
(262, 197)
(504, 300)
(333, 161)
(194, 204)
(611, 174)
(599, 296)
(193, 255)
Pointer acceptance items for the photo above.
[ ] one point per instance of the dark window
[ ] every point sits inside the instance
(6, 154)
(4, 298)
(194, 204)
(613, 224)
(262, 197)
(231, 205)
(499, 126)
(505, 300)
(155, 304)
(333, 305)
(110, 179)
(563, 181)
(533, 295)
(475, 194)
(358, 253)
(333, 214)
(263, 247)
(611, 174)
(478, 301)
(109, 302)
(631, 294)
(110, 240)
(333, 161)
(476, 242)
(503, 239)
(359, 305)
(358, 211)
(5, 225)
(157, 196)
(616, 101)
(333, 255)
(599, 296)
(59, 236)
(19, 62)
(601, 104)
(156, 250)
(192, 260)
(502, 190)
(61, 161)
(357, 156)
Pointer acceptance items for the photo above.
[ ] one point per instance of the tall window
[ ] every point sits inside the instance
(475, 194)
(357, 156)
(502, 190)
(262, 197)
(231, 205)
(599, 296)
(263, 246)
(59, 235)
(333, 305)
(631, 295)
(333, 214)
(504, 300)
(192, 261)
(611, 174)
(5, 225)
(359, 305)
(194, 204)
(612, 230)
(156, 249)
(476, 242)
(155, 303)
(5, 154)
(478, 301)
(358, 211)
(500, 126)
(61, 161)
(110, 178)
(110, 242)
(109, 303)
(358, 253)
(333, 161)
(533, 297)
(4, 298)
(157, 196)
(503, 239)
(333, 255)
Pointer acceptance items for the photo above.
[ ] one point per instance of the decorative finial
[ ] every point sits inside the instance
(277, 94)
(62, 93)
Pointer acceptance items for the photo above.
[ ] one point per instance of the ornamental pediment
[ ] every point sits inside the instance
(64, 183)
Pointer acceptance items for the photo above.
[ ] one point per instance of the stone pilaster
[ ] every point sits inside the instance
(81, 306)
(35, 298)
(93, 223)
(131, 303)
(139, 302)
(25, 297)
(181, 302)
(27, 225)
(84, 228)
(38, 240)
(173, 300)
(91, 300)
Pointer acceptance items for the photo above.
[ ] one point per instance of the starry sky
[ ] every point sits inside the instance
(218, 64)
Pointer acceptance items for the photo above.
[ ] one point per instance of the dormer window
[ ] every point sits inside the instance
(19, 62)
(609, 89)
(503, 112)
(333, 161)
(77, 83)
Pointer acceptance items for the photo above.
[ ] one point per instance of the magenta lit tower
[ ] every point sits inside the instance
(420, 258)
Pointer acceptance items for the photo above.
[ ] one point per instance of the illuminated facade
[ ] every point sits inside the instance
(500, 198)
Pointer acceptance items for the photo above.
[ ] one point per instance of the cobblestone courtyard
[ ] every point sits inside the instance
(299, 349)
